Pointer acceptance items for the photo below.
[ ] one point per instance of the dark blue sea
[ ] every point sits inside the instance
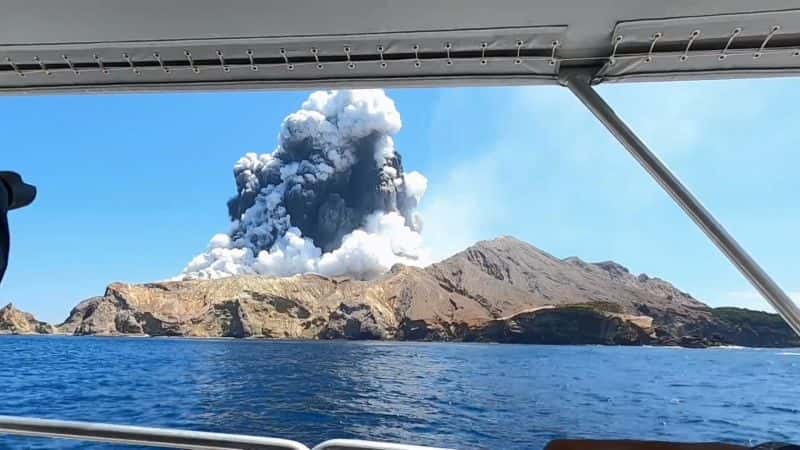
(464, 396)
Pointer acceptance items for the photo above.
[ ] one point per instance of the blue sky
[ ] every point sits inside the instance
(132, 186)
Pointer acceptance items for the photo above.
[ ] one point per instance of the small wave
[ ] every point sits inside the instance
(789, 353)
(784, 409)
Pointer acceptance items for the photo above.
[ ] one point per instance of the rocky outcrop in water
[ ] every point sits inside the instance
(14, 321)
(502, 290)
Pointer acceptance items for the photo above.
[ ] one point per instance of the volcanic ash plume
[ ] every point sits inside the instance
(332, 198)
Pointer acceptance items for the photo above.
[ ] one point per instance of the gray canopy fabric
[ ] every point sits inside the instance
(113, 45)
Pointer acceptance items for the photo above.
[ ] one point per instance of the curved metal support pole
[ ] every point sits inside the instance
(150, 437)
(170, 438)
(578, 81)
(356, 444)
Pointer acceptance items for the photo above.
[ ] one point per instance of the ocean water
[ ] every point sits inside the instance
(464, 396)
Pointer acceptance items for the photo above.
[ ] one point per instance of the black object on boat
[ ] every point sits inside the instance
(14, 194)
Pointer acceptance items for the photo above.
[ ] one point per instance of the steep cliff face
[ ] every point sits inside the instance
(304, 307)
(571, 325)
(14, 321)
(752, 328)
(502, 290)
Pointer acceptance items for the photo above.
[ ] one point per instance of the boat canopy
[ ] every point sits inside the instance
(118, 45)
(168, 45)
(158, 45)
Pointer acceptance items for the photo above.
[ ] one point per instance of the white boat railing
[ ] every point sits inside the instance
(172, 438)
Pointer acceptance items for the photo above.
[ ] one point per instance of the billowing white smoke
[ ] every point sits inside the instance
(332, 198)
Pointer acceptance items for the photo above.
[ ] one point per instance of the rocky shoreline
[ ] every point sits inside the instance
(502, 290)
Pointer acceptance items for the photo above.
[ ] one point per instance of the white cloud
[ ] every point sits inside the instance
(416, 185)
(464, 205)
(320, 140)
(674, 117)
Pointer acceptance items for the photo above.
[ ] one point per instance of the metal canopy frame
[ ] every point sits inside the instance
(84, 46)
(169, 438)
(151, 45)
(81, 46)
(579, 82)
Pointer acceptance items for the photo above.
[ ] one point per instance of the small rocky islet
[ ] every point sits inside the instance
(502, 290)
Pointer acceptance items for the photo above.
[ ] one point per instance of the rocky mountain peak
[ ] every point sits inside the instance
(15, 321)
(501, 290)
(613, 268)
